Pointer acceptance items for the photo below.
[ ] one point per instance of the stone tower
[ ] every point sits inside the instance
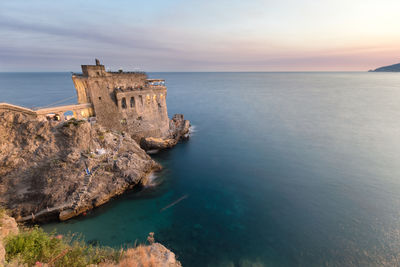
(124, 101)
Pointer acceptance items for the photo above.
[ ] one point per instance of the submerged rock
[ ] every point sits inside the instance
(50, 170)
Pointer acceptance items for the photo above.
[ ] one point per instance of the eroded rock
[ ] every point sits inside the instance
(51, 170)
(178, 130)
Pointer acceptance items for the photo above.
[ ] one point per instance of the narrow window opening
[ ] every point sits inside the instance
(123, 102)
(132, 102)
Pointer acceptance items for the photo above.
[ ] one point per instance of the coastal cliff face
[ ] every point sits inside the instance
(51, 170)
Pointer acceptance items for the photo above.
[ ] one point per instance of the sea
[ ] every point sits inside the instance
(281, 169)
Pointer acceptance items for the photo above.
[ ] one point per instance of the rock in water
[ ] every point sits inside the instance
(151, 143)
(178, 129)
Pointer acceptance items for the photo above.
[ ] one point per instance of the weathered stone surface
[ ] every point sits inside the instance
(7, 226)
(150, 143)
(42, 166)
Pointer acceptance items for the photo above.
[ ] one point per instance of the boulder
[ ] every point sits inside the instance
(151, 143)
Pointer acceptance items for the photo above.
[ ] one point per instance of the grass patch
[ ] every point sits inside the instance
(36, 246)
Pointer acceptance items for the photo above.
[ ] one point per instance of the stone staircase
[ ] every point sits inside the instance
(78, 197)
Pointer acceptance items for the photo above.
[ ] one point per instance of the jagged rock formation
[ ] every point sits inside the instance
(43, 166)
(391, 68)
(179, 129)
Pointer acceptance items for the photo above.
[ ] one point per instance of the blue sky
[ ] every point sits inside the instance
(219, 35)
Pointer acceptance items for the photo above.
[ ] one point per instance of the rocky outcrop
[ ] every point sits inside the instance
(150, 143)
(51, 170)
(178, 130)
(152, 255)
(7, 226)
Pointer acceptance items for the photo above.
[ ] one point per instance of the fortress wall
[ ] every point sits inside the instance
(147, 116)
(10, 107)
(81, 89)
(104, 104)
(125, 80)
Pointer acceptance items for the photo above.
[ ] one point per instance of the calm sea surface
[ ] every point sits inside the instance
(283, 169)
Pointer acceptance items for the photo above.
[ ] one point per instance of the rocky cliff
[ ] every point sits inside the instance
(51, 170)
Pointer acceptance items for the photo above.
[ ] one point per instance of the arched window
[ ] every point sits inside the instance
(141, 99)
(132, 102)
(123, 102)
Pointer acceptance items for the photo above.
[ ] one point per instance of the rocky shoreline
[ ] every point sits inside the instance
(55, 171)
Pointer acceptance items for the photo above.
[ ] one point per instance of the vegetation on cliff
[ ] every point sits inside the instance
(34, 246)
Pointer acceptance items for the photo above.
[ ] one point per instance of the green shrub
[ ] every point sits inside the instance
(32, 246)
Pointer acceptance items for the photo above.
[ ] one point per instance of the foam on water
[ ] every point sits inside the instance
(153, 180)
(192, 129)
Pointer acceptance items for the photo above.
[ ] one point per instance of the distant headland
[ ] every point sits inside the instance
(390, 68)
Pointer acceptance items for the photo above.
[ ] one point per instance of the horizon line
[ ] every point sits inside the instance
(245, 71)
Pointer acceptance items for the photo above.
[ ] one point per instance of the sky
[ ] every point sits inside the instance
(203, 35)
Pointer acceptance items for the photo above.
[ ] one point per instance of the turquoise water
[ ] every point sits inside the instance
(283, 169)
